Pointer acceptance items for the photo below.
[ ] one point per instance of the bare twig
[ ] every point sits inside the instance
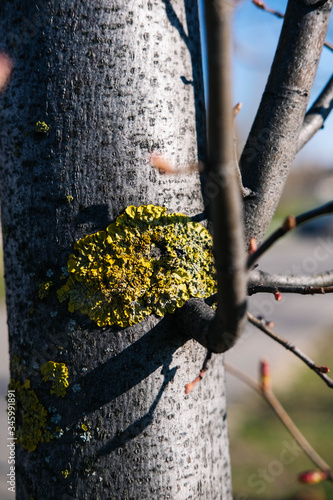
(289, 223)
(189, 387)
(319, 370)
(302, 290)
(261, 5)
(261, 278)
(271, 399)
(317, 114)
(226, 208)
(164, 166)
(244, 191)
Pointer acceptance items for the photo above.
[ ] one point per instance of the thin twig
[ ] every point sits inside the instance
(164, 166)
(261, 5)
(317, 114)
(289, 223)
(245, 192)
(189, 387)
(271, 399)
(319, 370)
(302, 290)
(259, 278)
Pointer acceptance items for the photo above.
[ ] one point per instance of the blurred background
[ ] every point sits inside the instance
(257, 438)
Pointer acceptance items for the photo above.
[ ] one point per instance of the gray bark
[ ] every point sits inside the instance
(315, 118)
(272, 143)
(258, 278)
(113, 80)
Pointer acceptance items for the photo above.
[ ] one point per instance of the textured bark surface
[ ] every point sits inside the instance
(113, 80)
(317, 114)
(272, 143)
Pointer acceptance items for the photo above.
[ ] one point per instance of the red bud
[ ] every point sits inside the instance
(312, 476)
(277, 296)
(237, 108)
(289, 223)
(259, 4)
(253, 246)
(265, 375)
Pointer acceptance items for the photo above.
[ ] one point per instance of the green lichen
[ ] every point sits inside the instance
(31, 416)
(57, 373)
(41, 127)
(69, 198)
(146, 262)
(44, 289)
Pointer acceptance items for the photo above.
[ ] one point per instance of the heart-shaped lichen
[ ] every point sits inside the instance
(146, 262)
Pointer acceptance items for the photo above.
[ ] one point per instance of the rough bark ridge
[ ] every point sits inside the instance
(113, 80)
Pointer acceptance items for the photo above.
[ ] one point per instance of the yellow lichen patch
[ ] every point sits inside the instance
(44, 289)
(146, 262)
(65, 473)
(31, 416)
(57, 373)
(41, 127)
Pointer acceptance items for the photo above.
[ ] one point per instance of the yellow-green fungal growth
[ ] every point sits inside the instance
(65, 473)
(31, 416)
(146, 262)
(57, 373)
(41, 127)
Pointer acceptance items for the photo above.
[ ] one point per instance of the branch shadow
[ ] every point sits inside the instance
(321, 110)
(124, 371)
(142, 423)
(191, 42)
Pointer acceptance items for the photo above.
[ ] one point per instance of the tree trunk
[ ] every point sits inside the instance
(112, 80)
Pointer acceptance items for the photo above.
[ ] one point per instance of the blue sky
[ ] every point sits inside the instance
(255, 37)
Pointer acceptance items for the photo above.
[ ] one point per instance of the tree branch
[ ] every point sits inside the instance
(271, 146)
(302, 290)
(261, 278)
(271, 399)
(288, 225)
(319, 370)
(222, 170)
(316, 116)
